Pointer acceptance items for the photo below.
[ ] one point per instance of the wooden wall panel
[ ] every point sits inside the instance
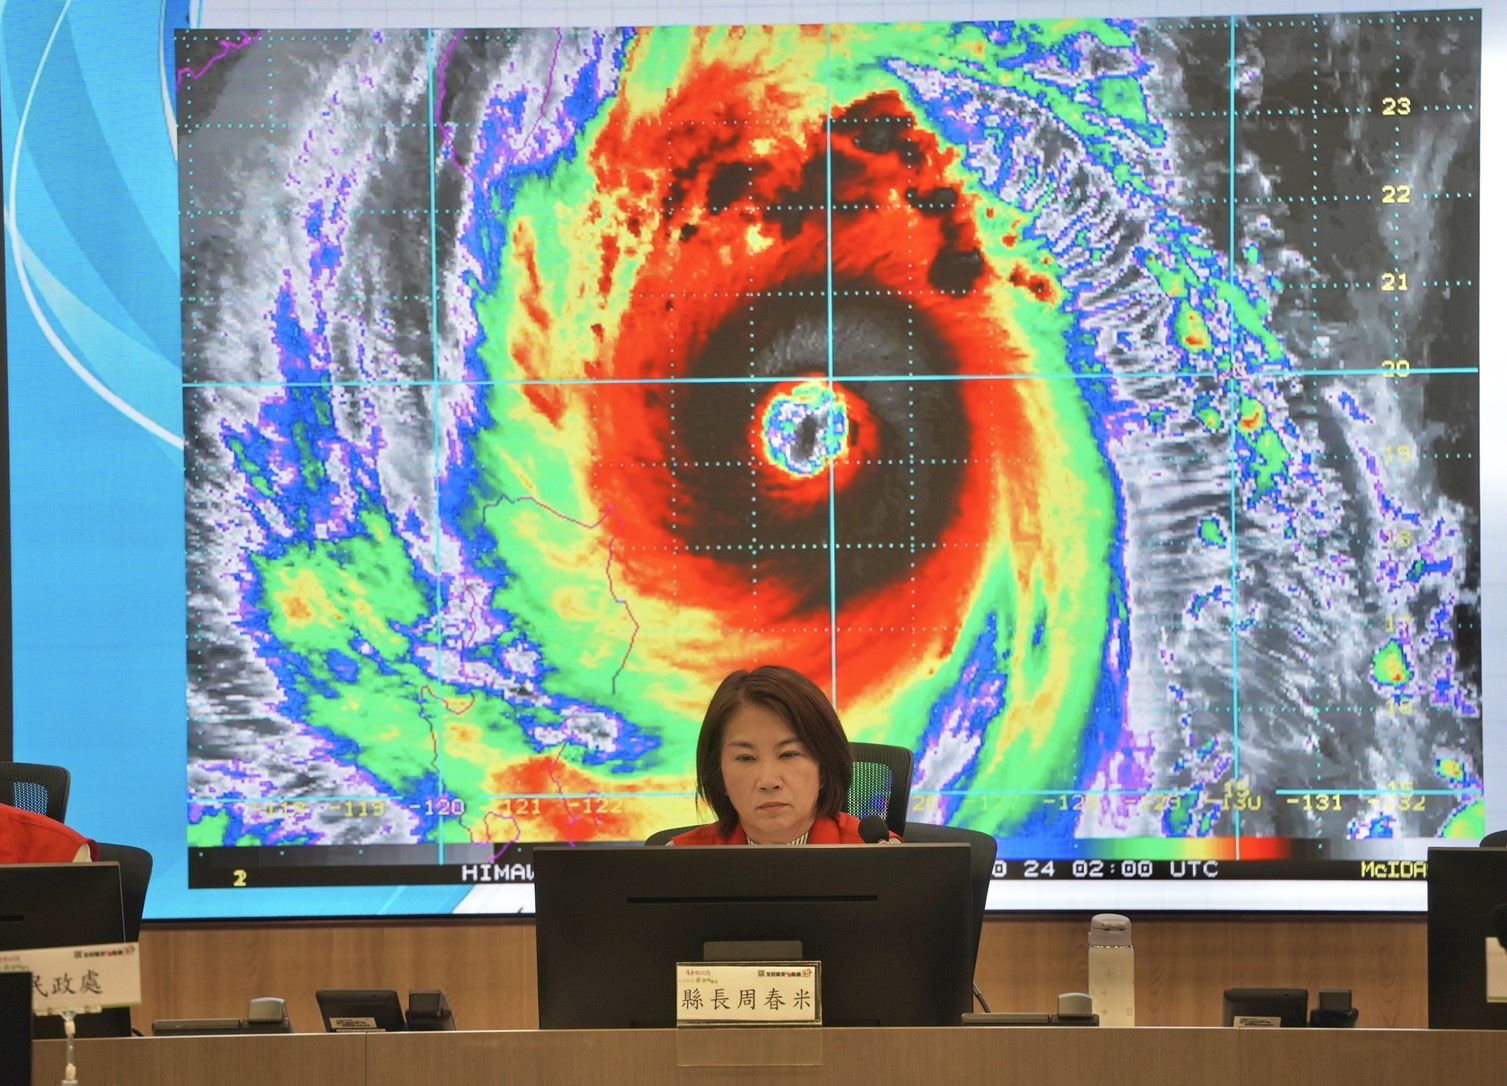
(1184, 966)
(487, 968)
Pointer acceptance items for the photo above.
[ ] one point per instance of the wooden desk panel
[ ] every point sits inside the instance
(325, 1060)
(849, 1057)
(1266, 1057)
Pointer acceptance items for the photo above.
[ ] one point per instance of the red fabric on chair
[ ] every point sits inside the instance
(27, 838)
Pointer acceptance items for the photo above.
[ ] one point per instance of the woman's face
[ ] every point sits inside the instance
(772, 780)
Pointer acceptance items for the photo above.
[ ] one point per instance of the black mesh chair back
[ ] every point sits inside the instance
(981, 863)
(881, 786)
(40, 789)
(881, 783)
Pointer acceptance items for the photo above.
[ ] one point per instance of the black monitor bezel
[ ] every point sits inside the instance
(892, 926)
(1464, 886)
(72, 904)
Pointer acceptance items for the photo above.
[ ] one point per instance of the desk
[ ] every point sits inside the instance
(1040, 1057)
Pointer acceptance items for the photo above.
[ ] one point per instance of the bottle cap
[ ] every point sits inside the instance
(1109, 929)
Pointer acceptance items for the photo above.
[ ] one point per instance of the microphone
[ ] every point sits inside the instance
(875, 831)
(1498, 918)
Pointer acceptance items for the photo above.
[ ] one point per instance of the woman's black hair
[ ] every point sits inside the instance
(801, 703)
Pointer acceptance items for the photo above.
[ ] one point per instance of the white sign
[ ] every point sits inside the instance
(76, 978)
(1258, 1021)
(346, 1024)
(1496, 971)
(748, 993)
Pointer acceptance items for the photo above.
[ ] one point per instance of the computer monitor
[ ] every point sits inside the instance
(890, 926)
(45, 905)
(59, 905)
(1465, 886)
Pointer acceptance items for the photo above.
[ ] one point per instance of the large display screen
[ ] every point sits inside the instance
(409, 427)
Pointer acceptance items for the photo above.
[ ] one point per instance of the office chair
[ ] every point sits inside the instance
(983, 848)
(881, 786)
(135, 875)
(40, 789)
(664, 837)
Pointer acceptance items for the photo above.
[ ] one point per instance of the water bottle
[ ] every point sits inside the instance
(1111, 969)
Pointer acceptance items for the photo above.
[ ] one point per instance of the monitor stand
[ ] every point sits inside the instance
(752, 950)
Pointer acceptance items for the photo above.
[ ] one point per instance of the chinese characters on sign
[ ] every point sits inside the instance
(76, 978)
(65, 985)
(748, 993)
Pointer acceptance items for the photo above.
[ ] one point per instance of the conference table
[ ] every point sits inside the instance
(1153, 1056)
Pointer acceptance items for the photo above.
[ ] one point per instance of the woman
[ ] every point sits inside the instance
(773, 763)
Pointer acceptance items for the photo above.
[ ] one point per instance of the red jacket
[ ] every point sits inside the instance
(27, 838)
(824, 831)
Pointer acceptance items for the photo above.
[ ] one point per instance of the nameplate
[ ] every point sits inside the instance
(1496, 972)
(748, 993)
(1258, 1021)
(78, 978)
(357, 1024)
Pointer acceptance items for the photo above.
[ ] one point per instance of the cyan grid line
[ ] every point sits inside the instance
(831, 366)
(851, 379)
(437, 415)
(1234, 409)
(210, 801)
(1467, 791)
